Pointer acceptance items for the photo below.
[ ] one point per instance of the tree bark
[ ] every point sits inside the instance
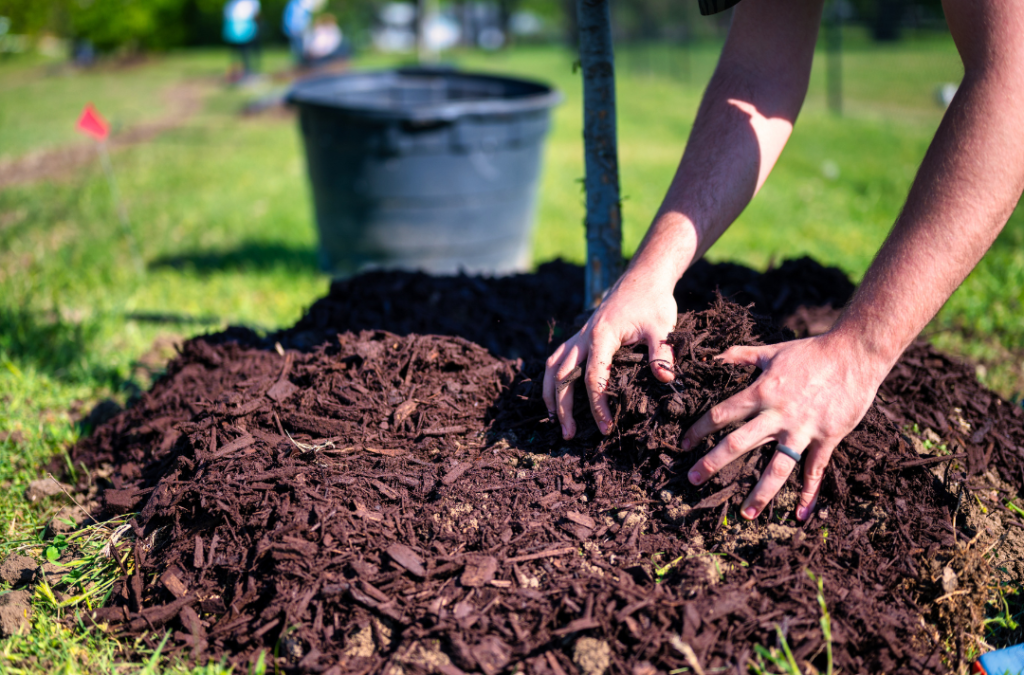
(604, 221)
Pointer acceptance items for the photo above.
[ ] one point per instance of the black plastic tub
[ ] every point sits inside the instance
(424, 169)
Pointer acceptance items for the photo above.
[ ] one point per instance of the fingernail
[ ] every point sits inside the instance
(551, 414)
(603, 426)
(565, 432)
(686, 444)
(803, 513)
(749, 513)
(694, 477)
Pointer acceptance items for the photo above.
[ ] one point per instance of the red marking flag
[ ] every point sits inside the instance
(92, 124)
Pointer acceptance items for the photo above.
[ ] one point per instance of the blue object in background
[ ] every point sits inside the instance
(298, 15)
(1009, 661)
(240, 21)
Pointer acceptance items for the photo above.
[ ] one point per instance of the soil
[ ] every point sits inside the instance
(379, 490)
(15, 612)
(44, 487)
(18, 569)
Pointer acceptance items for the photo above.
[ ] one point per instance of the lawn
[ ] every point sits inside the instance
(219, 207)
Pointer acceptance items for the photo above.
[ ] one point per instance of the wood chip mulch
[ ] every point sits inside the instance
(385, 494)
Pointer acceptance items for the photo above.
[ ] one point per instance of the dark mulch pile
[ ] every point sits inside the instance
(512, 316)
(384, 495)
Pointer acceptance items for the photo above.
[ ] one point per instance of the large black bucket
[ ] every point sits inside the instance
(426, 169)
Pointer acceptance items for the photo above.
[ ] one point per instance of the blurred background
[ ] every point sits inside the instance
(214, 205)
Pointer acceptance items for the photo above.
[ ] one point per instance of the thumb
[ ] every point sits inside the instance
(659, 354)
(744, 356)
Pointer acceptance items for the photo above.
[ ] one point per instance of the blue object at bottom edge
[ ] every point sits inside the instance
(1009, 661)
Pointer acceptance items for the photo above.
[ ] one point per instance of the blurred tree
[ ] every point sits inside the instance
(356, 18)
(134, 25)
(32, 17)
(130, 25)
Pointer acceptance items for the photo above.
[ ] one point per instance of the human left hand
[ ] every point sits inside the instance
(810, 395)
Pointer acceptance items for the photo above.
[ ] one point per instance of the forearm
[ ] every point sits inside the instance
(966, 189)
(732, 149)
(742, 125)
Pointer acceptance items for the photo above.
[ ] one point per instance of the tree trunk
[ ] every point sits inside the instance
(604, 222)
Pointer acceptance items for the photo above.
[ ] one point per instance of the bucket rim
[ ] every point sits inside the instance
(303, 94)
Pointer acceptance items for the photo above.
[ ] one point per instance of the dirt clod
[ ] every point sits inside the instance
(42, 488)
(592, 656)
(67, 520)
(15, 612)
(18, 569)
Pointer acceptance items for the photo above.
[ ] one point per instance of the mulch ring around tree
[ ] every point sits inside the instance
(379, 490)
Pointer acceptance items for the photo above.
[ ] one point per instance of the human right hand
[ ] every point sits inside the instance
(638, 308)
(810, 394)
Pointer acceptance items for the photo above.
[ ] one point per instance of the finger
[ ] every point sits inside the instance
(548, 391)
(563, 395)
(659, 354)
(745, 356)
(734, 409)
(753, 434)
(818, 456)
(774, 477)
(599, 370)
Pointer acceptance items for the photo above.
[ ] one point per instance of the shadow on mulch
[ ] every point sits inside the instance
(384, 493)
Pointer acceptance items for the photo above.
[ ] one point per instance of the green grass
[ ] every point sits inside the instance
(221, 212)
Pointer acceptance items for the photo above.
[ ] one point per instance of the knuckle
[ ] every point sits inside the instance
(600, 330)
(834, 429)
(814, 473)
(596, 372)
(767, 388)
(718, 414)
(779, 470)
(733, 444)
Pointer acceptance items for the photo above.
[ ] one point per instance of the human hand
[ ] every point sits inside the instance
(810, 395)
(636, 309)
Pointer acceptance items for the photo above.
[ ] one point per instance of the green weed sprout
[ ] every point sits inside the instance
(1016, 509)
(1005, 618)
(825, 621)
(260, 668)
(661, 572)
(91, 576)
(781, 659)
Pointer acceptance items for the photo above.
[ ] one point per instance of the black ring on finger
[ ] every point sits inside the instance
(789, 452)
